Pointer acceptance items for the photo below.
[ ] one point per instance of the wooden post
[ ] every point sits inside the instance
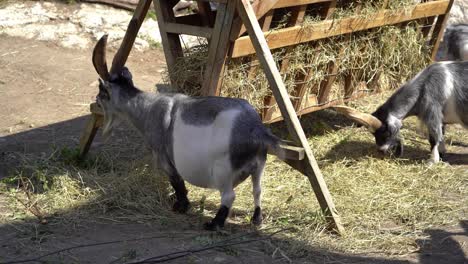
(309, 165)
(218, 48)
(170, 41)
(89, 133)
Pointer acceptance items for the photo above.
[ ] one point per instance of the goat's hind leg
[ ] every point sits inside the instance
(227, 198)
(257, 217)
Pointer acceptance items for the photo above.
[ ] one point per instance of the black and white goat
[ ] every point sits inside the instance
(211, 142)
(437, 95)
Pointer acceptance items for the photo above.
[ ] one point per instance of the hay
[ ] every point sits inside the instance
(377, 59)
(386, 204)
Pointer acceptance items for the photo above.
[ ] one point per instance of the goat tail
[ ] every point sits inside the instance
(272, 143)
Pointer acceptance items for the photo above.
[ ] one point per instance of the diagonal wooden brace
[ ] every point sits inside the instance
(119, 61)
(308, 165)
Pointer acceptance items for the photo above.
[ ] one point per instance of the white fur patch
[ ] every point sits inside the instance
(449, 81)
(435, 157)
(393, 121)
(464, 51)
(167, 116)
(201, 153)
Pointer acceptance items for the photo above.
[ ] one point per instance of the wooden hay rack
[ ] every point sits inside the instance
(241, 28)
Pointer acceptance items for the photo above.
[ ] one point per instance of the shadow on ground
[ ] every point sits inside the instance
(25, 237)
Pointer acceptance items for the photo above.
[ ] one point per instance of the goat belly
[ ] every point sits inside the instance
(201, 152)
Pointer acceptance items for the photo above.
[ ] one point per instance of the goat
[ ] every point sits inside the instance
(210, 142)
(438, 95)
(454, 46)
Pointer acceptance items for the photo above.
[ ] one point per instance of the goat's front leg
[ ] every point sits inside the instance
(227, 198)
(182, 203)
(442, 148)
(436, 139)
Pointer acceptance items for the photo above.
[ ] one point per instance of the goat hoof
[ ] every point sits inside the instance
(181, 206)
(431, 162)
(257, 217)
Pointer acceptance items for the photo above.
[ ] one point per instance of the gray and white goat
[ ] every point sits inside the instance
(210, 142)
(437, 95)
(454, 46)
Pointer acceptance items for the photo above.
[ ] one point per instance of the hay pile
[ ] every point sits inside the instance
(377, 59)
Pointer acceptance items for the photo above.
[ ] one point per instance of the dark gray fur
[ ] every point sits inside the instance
(425, 96)
(454, 42)
(153, 115)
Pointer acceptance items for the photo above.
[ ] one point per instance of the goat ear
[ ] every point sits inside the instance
(99, 58)
(371, 122)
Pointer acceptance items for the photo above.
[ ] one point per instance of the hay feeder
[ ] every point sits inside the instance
(242, 28)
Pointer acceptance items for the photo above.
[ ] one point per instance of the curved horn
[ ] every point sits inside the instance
(99, 58)
(371, 122)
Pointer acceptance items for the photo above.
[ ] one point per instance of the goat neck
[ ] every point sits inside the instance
(400, 105)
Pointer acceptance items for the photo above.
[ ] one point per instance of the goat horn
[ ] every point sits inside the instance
(99, 58)
(371, 122)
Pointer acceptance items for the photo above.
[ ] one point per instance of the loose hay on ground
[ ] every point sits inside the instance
(385, 204)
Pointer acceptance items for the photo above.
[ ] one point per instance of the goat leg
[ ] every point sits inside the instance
(182, 203)
(227, 198)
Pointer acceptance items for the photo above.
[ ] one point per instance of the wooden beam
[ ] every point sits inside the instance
(204, 32)
(329, 28)
(204, 9)
(261, 7)
(290, 3)
(326, 85)
(139, 15)
(291, 152)
(438, 30)
(170, 41)
(311, 169)
(218, 49)
(86, 139)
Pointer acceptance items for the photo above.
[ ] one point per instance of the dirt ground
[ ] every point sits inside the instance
(45, 91)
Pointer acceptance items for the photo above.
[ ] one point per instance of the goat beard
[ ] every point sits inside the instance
(110, 121)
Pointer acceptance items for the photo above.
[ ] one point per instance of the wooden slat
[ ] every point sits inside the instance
(291, 152)
(170, 41)
(95, 109)
(438, 30)
(192, 20)
(218, 50)
(297, 17)
(309, 164)
(290, 3)
(216, 1)
(204, 9)
(266, 23)
(329, 28)
(204, 32)
(261, 7)
(139, 15)
(86, 139)
(327, 84)
(331, 9)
